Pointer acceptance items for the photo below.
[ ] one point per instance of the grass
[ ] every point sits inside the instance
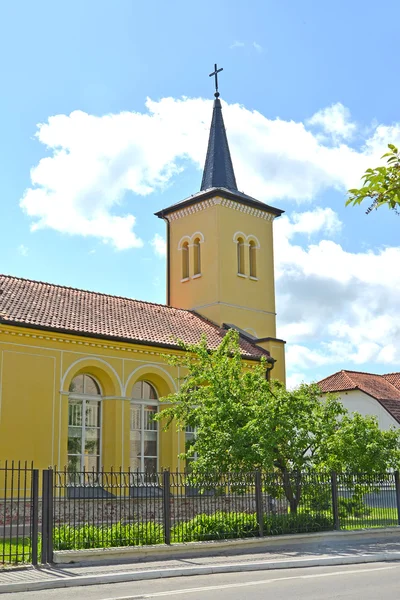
(380, 517)
(15, 551)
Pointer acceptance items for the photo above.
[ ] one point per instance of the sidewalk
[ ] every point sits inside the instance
(372, 547)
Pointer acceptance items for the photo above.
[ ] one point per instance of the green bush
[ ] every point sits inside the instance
(219, 526)
(90, 536)
(353, 507)
(296, 523)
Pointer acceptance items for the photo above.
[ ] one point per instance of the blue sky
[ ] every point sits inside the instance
(311, 100)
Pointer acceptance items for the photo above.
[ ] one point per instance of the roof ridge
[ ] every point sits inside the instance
(75, 289)
(360, 372)
(337, 373)
(393, 373)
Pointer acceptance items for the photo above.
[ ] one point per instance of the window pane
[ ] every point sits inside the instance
(90, 386)
(75, 413)
(74, 440)
(77, 385)
(252, 256)
(185, 261)
(197, 262)
(92, 441)
(149, 393)
(91, 462)
(137, 390)
(135, 452)
(92, 410)
(150, 443)
(149, 423)
(74, 464)
(136, 420)
(150, 465)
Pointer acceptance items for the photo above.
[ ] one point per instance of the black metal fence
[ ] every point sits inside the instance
(19, 486)
(56, 510)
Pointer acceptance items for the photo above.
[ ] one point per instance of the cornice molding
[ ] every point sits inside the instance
(96, 344)
(209, 203)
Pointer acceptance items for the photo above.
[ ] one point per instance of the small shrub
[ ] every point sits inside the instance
(219, 526)
(296, 523)
(353, 507)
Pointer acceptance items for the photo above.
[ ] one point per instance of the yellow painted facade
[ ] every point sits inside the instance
(36, 370)
(220, 293)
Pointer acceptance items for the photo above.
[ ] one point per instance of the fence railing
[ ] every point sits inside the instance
(43, 511)
(18, 512)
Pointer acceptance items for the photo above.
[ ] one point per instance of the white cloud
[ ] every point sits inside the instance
(159, 245)
(335, 307)
(100, 166)
(237, 44)
(23, 250)
(258, 47)
(334, 120)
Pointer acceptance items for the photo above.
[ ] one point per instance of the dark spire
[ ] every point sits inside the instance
(218, 168)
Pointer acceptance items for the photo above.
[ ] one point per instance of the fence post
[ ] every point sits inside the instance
(167, 506)
(45, 510)
(335, 501)
(35, 516)
(259, 503)
(50, 516)
(397, 482)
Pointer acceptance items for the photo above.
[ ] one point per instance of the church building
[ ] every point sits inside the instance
(81, 373)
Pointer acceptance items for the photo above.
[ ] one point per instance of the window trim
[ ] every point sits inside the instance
(84, 398)
(142, 403)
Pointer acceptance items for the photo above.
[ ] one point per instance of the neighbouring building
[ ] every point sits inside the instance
(368, 394)
(81, 373)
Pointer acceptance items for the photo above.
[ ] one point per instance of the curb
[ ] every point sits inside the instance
(84, 580)
(191, 549)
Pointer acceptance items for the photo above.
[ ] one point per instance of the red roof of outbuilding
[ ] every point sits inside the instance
(384, 388)
(57, 308)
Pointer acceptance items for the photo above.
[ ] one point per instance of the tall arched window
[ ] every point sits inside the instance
(185, 260)
(253, 259)
(143, 428)
(197, 257)
(240, 256)
(84, 425)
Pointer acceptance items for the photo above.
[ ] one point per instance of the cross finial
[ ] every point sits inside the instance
(215, 74)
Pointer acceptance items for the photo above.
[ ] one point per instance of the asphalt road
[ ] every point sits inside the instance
(369, 582)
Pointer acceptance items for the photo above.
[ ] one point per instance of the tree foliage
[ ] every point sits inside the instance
(380, 185)
(244, 422)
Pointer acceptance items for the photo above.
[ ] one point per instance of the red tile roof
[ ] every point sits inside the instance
(57, 308)
(393, 378)
(384, 388)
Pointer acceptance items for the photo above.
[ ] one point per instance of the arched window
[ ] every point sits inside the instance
(84, 424)
(240, 256)
(253, 259)
(185, 260)
(196, 257)
(143, 428)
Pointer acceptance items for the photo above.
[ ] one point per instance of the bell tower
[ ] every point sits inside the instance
(220, 250)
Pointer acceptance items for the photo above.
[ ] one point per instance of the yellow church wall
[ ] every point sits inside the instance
(221, 294)
(195, 290)
(36, 369)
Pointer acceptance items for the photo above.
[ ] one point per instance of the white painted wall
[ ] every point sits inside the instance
(357, 401)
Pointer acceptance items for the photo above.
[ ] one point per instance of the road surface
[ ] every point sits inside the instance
(369, 582)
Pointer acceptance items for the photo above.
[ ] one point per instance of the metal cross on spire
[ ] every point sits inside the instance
(215, 74)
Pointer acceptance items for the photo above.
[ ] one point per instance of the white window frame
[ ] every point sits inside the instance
(142, 404)
(84, 398)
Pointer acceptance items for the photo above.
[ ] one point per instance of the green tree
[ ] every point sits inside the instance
(381, 186)
(244, 422)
